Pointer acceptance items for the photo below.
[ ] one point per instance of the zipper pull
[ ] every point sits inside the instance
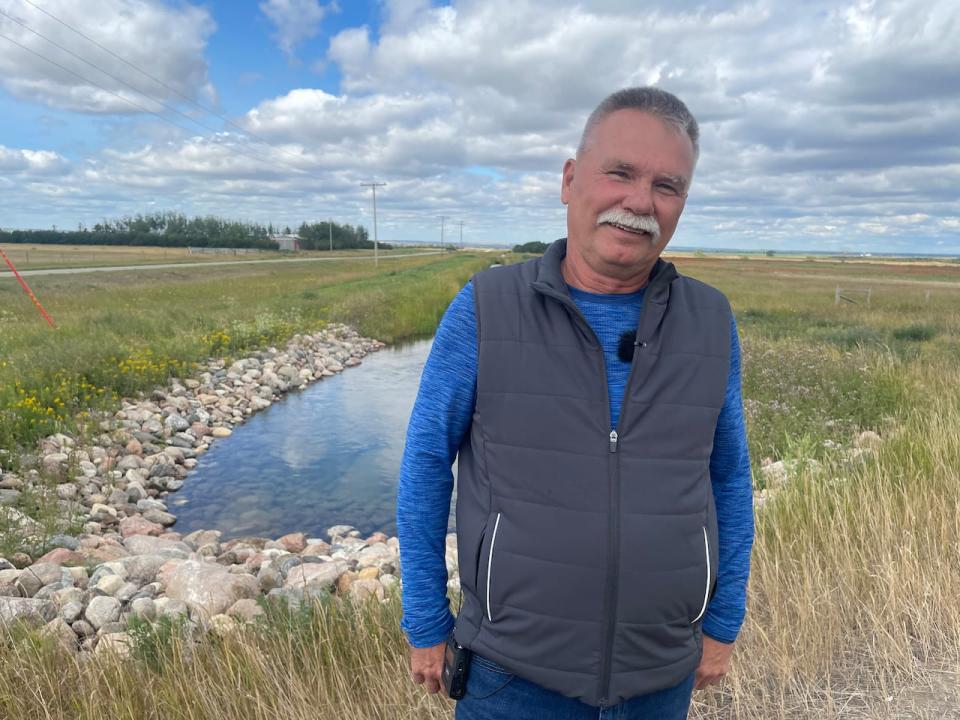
(613, 441)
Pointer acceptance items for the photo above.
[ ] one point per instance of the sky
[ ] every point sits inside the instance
(825, 125)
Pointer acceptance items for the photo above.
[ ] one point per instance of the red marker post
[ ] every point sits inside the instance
(26, 289)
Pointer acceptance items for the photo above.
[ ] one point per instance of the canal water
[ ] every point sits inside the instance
(327, 455)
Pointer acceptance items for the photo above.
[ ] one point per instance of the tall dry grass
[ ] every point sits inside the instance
(329, 662)
(853, 603)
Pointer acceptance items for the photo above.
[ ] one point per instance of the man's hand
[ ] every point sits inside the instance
(715, 662)
(426, 664)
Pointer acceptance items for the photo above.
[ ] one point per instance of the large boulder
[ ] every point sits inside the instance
(377, 555)
(159, 516)
(206, 587)
(15, 609)
(148, 545)
(361, 590)
(138, 525)
(102, 610)
(118, 644)
(293, 542)
(315, 577)
(143, 569)
(61, 632)
(246, 609)
(62, 556)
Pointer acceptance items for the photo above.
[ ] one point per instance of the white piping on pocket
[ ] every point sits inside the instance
(706, 590)
(493, 539)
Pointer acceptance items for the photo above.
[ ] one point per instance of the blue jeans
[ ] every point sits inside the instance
(494, 693)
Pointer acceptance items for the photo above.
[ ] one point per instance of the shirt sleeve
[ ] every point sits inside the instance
(733, 494)
(441, 415)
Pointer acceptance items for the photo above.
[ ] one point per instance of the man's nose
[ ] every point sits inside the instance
(639, 200)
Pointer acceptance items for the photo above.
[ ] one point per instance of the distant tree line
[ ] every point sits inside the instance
(536, 247)
(171, 229)
(316, 236)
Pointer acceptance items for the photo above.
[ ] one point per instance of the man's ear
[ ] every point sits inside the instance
(568, 168)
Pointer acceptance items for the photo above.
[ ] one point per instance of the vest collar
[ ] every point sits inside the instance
(550, 280)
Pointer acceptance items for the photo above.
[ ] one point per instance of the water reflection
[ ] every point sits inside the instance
(324, 456)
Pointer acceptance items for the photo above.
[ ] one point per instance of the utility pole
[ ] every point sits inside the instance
(442, 220)
(330, 232)
(373, 186)
(461, 234)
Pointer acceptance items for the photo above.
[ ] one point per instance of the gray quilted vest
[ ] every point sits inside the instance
(588, 554)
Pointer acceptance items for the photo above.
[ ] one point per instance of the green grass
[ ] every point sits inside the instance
(815, 373)
(44, 257)
(120, 335)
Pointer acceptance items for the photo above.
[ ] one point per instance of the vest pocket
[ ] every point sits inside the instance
(707, 579)
(493, 542)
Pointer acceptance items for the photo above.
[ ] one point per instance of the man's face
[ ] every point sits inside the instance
(633, 165)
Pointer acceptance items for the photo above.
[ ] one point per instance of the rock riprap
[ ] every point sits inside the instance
(209, 584)
(147, 448)
(128, 562)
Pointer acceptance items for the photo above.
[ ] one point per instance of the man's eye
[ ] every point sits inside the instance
(667, 188)
(617, 173)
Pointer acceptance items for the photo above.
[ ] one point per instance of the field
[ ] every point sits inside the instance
(853, 414)
(122, 332)
(41, 257)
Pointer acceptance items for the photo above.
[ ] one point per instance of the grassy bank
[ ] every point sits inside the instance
(123, 333)
(856, 568)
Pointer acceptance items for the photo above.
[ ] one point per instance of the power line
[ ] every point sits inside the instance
(160, 82)
(128, 100)
(108, 74)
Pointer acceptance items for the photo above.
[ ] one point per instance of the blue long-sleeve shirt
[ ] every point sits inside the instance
(441, 417)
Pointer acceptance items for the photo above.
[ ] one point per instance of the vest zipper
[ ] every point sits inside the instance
(613, 554)
(613, 472)
(493, 539)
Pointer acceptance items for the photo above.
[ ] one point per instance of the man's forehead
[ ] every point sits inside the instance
(622, 124)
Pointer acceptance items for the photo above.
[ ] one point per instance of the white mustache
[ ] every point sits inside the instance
(643, 223)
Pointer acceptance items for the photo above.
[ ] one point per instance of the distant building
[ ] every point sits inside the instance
(287, 243)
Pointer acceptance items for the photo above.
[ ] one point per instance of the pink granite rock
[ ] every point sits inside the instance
(139, 525)
(62, 556)
(294, 542)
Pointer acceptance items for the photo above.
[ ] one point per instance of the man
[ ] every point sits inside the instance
(604, 501)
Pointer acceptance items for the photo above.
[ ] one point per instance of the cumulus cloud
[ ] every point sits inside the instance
(14, 161)
(824, 124)
(166, 41)
(295, 21)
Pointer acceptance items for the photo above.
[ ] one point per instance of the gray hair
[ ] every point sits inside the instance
(659, 103)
